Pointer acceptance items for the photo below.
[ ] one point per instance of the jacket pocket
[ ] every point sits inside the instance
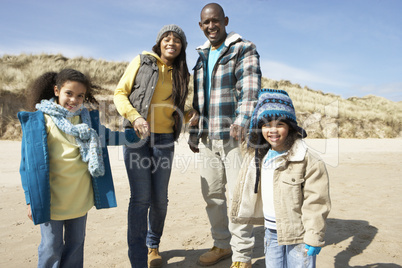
(293, 179)
(292, 185)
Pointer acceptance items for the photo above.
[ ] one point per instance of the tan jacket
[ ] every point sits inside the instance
(301, 197)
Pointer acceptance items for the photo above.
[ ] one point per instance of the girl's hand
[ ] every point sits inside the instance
(141, 127)
(194, 117)
(29, 212)
(312, 251)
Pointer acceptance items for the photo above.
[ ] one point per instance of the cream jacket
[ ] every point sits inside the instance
(301, 197)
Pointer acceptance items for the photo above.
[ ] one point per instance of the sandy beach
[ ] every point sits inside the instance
(364, 226)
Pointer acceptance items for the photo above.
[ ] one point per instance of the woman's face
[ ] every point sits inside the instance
(275, 133)
(71, 95)
(170, 48)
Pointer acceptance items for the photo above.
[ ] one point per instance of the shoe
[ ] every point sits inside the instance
(238, 264)
(154, 259)
(214, 255)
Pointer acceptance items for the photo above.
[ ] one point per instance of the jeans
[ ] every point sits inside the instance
(148, 164)
(56, 250)
(282, 256)
(221, 163)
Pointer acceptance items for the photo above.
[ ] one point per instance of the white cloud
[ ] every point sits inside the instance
(281, 71)
(392, 91)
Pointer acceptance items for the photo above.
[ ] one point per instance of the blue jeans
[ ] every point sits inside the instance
(148, 164)
(292, 256)
(56, 250)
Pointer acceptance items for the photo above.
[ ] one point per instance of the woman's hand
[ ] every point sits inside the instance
(194, 117)
(30, 212)
(141, 127)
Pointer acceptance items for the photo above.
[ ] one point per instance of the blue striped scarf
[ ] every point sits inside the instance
(86, 137)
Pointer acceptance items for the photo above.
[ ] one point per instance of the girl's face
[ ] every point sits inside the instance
(170, 48)
(275, 133)
(71, 95)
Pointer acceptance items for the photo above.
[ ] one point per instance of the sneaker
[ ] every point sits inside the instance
(214, 255)
(154, 259)
(238, 264)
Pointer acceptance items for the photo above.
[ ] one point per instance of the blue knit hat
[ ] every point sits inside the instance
(274, 104)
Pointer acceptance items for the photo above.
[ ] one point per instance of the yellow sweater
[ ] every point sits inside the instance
(160, 112)
(71, 193)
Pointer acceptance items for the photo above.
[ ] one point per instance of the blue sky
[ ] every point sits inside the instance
(345, 47)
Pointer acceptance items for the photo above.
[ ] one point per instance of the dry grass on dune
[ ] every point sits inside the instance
(326, 115)
(18, 71)
(323, 115)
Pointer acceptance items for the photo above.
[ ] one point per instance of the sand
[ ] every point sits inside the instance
(364, 226)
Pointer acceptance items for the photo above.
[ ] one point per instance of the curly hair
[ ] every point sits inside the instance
(181, 76)
(43, 87)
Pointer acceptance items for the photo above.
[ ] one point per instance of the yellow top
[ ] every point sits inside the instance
(161, 108)
(71, 193)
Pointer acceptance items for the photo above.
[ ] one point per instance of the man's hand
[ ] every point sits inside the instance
(141, 127)
(194, 117)
(194, 148)
(238, 132)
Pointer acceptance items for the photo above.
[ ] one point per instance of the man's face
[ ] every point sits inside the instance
(213, 25)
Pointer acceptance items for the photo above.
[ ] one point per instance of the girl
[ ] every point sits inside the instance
(65, 167)
(151, 96)
(294, 184)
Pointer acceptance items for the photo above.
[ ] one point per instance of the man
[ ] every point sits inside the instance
(227, 78)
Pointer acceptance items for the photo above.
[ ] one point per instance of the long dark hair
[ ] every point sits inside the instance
(181, 76)
(43, 86)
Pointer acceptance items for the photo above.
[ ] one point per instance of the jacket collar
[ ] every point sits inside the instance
(232, 37)
(158, 59)
(297, 152)
(153, 54)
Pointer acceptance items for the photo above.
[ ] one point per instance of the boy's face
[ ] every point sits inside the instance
(275, 133)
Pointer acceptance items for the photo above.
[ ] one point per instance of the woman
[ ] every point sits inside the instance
(151, 96)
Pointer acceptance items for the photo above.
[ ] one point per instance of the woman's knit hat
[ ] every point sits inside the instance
(172, 28)
(274, 104)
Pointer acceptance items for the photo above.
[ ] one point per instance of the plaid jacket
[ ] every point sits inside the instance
(235, 82)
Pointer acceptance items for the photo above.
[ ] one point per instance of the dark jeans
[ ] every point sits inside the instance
(148, 164)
